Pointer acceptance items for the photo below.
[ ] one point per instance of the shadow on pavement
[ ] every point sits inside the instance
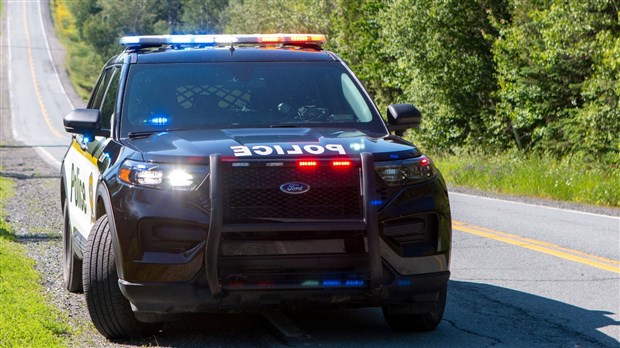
(477, 315)
(516, 317)
(210, 330)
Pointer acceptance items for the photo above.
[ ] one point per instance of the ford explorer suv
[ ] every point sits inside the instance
(232, 173)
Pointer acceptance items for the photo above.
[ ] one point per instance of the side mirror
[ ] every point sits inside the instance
(84, 121)
(402, 117)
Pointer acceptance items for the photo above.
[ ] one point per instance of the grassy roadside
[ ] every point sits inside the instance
(82, 64)
(569, 180)
(26, 319)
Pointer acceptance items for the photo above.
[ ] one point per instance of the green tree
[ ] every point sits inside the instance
(130, 17)
(356, 36)
(597, 124)
(277, 16)
(552, 63)
(169, 16)
(82, 10)
(100, 36)
(203, 16)
(102, 22)
(445, 66)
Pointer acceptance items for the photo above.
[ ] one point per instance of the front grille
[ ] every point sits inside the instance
(254, 192)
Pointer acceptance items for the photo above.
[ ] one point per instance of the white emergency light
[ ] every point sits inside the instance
(222, 40)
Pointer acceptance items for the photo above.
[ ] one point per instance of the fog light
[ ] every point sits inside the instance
(180, 178)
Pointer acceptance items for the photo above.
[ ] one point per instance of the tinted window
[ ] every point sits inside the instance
(109, 102)
(224, 95)
(97, 97)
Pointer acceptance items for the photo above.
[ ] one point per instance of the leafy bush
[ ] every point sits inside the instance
(83, 63)
(544, 176)
(558, 77)
(445, 66)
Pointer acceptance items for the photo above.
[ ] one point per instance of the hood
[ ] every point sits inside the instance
(267, 143)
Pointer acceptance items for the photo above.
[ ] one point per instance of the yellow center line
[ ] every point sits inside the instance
(34, 75)
(540, 246)
(541, 243)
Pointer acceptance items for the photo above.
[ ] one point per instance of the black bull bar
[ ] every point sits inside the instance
(368, 223)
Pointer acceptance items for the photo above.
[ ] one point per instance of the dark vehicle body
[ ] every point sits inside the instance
(246, 178)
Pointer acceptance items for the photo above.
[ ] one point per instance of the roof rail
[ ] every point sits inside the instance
(137, 42)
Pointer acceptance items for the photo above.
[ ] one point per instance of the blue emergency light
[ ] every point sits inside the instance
(221, 40)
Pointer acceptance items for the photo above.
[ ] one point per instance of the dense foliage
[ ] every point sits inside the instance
(537, 76)
(557, 67)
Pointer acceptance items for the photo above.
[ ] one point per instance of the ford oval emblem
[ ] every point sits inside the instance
(294, 188)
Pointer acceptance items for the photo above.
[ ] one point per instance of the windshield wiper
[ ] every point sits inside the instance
(285, 126)
(146, 134)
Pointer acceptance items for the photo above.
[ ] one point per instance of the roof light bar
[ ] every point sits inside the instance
(221, 40)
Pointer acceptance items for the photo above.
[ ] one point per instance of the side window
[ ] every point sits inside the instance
(102, 84)
(355, 100)
(109, 101)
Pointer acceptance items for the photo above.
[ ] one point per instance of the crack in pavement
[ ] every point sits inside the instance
(496, 341)
(559, 330)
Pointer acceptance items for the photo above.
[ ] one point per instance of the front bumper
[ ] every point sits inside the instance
(183, 258)
(178, 298)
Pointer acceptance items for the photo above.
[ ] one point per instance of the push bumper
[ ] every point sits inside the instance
(203, 278)
(178, 298)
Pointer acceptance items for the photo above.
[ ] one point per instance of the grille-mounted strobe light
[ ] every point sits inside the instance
(307, 164)
(333, 164)
(341, 164)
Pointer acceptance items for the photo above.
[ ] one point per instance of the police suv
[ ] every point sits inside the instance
(218, 173)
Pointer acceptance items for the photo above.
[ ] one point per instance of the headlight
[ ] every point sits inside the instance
(162, 176)
(409, 171)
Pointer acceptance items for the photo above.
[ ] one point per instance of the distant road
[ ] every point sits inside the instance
(38, 100)
(521, 274)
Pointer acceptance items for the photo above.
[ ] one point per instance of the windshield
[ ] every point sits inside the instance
(244, 95)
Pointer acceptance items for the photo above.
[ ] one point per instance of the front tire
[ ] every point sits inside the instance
(398, 319)
(71, 264)
(108, 308)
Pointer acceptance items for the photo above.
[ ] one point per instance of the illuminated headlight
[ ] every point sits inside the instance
(409, 171)
(162, 176)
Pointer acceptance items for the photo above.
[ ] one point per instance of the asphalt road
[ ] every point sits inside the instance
(38, 100)
(522, 274)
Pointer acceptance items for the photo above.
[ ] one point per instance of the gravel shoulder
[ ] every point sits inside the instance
(36, 217)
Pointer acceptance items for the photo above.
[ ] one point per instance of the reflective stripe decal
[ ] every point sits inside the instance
(81, 151)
